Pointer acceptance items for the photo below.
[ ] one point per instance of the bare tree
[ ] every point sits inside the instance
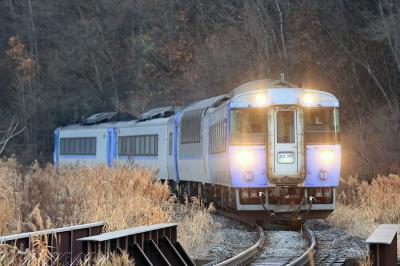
(7, 134)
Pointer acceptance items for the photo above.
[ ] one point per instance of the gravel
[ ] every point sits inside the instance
(334, 243)
(282, 245)
(234, 238)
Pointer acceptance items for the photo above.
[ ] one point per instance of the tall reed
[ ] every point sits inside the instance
(123, 196)
(362, 206)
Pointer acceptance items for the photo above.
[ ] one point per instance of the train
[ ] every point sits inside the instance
(267, 150)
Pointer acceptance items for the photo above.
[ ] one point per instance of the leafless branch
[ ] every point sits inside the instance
(8, 134)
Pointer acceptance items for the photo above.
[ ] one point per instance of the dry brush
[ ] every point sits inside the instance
(123, 196)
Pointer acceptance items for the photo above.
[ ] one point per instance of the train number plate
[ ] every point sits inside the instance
(285, 157)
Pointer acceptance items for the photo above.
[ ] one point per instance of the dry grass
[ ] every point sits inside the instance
(362, 206)
(10, 198)
(39, 254)
(123, 196)
(196, 228)
(111, 259)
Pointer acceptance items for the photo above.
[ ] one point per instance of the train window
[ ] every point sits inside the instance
(148, 145)
(137, 145)
(170, 143)
(217, 137)
(320, 119)
(78, 146)
(144, 145)
(248, 126)
(285, 127)
(131, 146)
(321, 125)
(191, 126)
(142, 139)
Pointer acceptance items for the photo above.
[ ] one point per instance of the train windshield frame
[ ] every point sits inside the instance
(248, 126)
(321, 125)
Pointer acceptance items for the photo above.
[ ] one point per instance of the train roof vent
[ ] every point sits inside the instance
(107, 117)
(160, 112)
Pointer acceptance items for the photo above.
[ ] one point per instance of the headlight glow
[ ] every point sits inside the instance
(307, 99)
(261, 99)
(327, 156)
(244, 158)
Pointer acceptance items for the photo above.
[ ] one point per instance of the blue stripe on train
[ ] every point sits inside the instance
(176, 128)
(56, 154)
(111, 145)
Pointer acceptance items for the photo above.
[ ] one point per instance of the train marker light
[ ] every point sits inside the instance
(326, 156)
(307, 99)
(261, 99)
(244, 158)
(248, 176)
(323, 175)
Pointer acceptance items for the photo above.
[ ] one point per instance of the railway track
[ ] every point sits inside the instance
(249, 256)
(292, 255)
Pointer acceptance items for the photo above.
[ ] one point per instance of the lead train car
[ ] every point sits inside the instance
(268, 149)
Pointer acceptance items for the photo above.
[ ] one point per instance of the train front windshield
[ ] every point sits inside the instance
(248, 126)
(321, 125)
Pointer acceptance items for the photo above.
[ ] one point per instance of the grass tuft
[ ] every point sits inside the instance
(196, 228)
(362, 206)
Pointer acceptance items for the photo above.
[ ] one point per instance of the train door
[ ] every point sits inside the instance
(170, 150)
(285, 139)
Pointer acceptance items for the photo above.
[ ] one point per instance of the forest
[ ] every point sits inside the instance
(61, 60)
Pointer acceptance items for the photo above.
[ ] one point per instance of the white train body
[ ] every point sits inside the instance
(258, 140)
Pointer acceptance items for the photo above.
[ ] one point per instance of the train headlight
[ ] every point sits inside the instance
(244, 158)
(307, 99)
(261, 99)
(327, 156)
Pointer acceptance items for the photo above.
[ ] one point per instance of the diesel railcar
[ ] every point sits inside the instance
(268, 149)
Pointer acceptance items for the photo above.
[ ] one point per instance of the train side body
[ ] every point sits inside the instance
(147, 144)
(84, 145)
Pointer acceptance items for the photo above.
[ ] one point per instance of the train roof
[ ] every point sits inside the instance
(279, 93)
(93, 126)
(209, 102)
(160, 112)
(276, 91)
(137, 123)
(261, 85)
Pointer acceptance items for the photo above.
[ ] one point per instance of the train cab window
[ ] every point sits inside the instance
(321, 125)
(248, 126)
(285, 127)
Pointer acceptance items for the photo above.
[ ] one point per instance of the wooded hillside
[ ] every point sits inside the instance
(60, 60)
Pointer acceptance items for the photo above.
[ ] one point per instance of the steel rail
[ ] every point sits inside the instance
(308, 255)
(249, 254)
(245, 257)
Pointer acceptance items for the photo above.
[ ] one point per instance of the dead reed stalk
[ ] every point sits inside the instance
(362, 206)
(123, 196)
